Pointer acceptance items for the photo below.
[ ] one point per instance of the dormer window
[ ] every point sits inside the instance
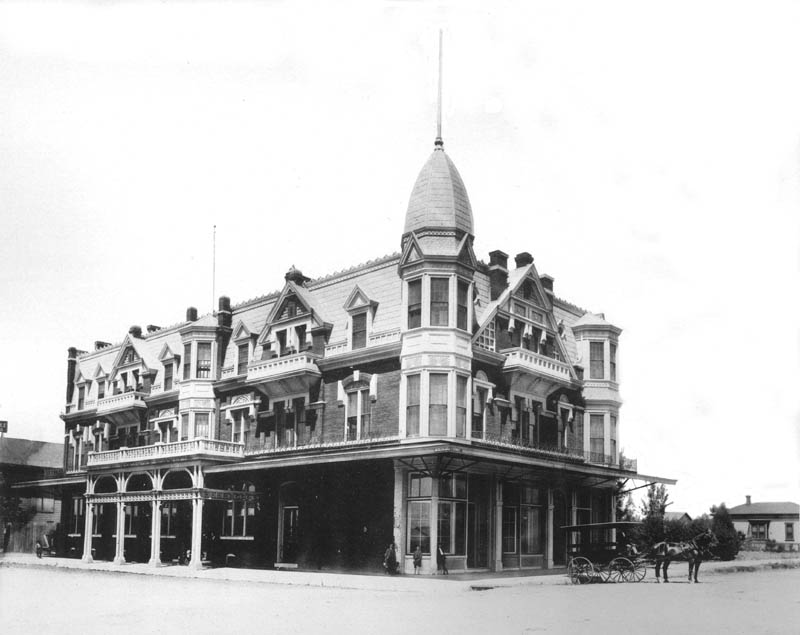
(359, 335)
(130, 357)
(168, 370)
(81, 396)
(242, 356)
(101, 388)
(415, 304)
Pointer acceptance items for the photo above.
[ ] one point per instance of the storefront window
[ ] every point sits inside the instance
(419, 526)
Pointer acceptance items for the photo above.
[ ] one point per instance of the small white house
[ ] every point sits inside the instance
(761, 522)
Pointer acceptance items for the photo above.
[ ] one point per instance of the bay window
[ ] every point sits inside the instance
(440, 301)
(414, 304)
(462, 305)
(203, 360)
(596, 437)
(412, 405)
(461, 406)
(187, 361)
(437, 412)
(596, 360)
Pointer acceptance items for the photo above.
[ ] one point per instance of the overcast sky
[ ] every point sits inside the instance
(648, 159)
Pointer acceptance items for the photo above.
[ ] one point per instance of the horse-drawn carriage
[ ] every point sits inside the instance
(603, 552)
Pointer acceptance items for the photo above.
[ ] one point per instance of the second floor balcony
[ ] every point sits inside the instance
(209, 448)
(522, 360)
(123, 407)
(289, 374)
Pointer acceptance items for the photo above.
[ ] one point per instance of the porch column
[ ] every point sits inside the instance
(612, 514)
(155, 535)
(498, 524)
(119, 556)
(550, 527)
(400, 515)
(434, 528)
(87, 533)
(197, 534)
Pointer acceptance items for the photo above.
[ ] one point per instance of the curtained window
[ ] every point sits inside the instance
(412, 405)
(440, 305)
(437, 414)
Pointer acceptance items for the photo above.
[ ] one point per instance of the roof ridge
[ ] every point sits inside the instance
(350, 270)
(256, 299)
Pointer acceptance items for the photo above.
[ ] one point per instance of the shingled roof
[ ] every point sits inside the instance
(765, 509)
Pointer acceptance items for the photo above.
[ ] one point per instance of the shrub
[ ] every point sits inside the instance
(722, 526)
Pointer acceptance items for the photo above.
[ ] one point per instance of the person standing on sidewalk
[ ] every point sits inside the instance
(441, 560)
(417, 560)
(390, 559)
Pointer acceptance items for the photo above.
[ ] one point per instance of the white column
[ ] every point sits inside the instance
(498, 524)
(155, 535)
(550, 528)
(87, 533)
(434, 528)
(119, 556)
(197, 534)
(400, 515)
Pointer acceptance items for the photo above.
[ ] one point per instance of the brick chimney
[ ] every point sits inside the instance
(498, 273)
(547, 283)
(152, 328)
(98, 345)
(191, 314)
(747, 498)
(136, 331)
(522, 259)
(72, 364)
(224, 314)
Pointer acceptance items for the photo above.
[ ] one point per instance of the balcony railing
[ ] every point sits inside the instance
(517, 358)
(291, 364)
(546, 450)
(267, 445)
(122, 401)
(208, 447)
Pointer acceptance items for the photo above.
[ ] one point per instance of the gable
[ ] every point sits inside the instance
(466, 256)
(240, 331)
(412, 252)
(293, 303)
(358, 299)
(166, 354)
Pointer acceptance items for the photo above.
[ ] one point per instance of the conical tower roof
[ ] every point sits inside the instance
(439, 198)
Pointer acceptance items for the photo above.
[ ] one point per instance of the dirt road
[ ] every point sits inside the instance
(44, 601)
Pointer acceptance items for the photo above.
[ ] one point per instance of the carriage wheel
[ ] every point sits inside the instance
(620, 570)
(639, 571)
(580, 570)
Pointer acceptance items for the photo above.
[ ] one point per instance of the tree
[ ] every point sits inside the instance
(652, 529)
(722, 526)
(656, 502)
(626, 510)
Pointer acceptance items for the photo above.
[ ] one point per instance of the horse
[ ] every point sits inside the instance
(693, 551)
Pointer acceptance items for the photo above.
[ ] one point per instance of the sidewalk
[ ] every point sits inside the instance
(401, 583)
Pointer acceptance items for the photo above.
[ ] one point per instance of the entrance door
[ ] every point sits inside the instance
(478, 523)
(559, 521)
(289, 533)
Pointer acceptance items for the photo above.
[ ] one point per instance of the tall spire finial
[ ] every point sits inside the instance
(439, 143)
